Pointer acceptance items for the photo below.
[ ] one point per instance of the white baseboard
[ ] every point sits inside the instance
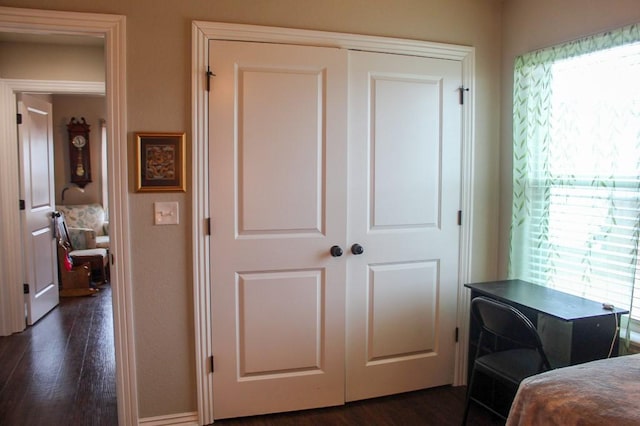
(184, 419)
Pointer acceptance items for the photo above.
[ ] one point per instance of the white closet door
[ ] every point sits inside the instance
(404, 195)
(278, 146)
(279, 190)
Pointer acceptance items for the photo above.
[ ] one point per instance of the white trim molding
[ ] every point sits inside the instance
(185, 419)
(200, 215)
(12, 319)
(202, 33)
(112, 29)
(466, 206)
(57, 86)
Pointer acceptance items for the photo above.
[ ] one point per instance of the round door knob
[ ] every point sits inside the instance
(357, 249)
(336, 251)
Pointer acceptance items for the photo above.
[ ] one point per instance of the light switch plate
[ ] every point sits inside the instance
(165, 213)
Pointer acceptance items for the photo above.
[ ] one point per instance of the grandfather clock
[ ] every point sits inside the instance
(79, 155)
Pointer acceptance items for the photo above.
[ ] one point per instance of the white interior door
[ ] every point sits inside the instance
(278, 146)
(277, 179)
(404, 195)
(35, 136)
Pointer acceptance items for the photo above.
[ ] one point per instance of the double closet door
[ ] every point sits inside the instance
(334, 190)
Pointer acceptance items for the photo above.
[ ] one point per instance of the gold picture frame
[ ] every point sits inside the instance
(160, 162)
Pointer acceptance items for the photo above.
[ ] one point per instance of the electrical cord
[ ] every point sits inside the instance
(615, 334)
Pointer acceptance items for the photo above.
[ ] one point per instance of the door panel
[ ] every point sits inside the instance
(278, 170)
(291, 131)
(413, 287)
(37, 189)
(404, 194)
(405, 140)
(264, 302)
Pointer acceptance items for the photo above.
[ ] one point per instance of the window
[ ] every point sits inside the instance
(576, 200)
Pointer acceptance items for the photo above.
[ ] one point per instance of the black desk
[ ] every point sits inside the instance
(573, 329)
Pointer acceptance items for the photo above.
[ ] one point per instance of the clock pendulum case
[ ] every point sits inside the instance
(79, 155)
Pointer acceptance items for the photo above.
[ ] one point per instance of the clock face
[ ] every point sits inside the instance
(79, 141)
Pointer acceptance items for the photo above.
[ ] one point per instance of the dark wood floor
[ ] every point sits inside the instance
(62, 372)
(441, 406)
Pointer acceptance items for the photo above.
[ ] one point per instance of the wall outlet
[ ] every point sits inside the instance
(165, 213)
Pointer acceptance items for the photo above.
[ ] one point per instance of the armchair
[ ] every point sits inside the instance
(86, 224)
(97, 258)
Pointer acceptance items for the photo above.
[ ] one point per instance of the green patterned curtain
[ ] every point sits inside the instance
(576, 167)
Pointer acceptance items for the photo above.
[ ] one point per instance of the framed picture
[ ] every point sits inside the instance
(160, 162)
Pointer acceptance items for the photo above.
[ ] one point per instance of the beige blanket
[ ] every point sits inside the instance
(604, 392)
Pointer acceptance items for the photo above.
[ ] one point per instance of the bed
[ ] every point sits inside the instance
(603, 392)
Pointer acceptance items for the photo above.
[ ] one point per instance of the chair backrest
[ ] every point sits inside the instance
(62, 232)
(90, 216)
(505, 321)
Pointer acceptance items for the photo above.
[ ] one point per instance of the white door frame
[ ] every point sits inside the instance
(112, 29)
(202, 32)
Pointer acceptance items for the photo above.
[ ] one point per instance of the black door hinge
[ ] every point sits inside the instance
(22, 205)
(209, 74)
(208, 225)
(19, 118)
(460, 217)
(25, 288)
(457, 332)
(211, 363)
(461, 91)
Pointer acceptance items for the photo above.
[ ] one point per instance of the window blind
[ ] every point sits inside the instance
(576, 200)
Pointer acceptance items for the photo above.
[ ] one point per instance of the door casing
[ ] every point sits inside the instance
(112, 29)
(202, 32)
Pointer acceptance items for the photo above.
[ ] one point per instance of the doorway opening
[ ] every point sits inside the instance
(111, 28)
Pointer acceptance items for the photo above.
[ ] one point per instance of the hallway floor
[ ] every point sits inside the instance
(61, 371)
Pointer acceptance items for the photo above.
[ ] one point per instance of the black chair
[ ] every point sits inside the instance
(509, 350)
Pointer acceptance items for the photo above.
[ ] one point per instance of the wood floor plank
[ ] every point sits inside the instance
(10, 356)
(442, 406)
(95, 387)
(61, 371)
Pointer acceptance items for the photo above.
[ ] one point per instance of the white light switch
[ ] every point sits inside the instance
(165, 213)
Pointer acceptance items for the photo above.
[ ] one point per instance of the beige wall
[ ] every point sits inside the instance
(93, 109)
(33, 61)
(533, 24)
(158, 99)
